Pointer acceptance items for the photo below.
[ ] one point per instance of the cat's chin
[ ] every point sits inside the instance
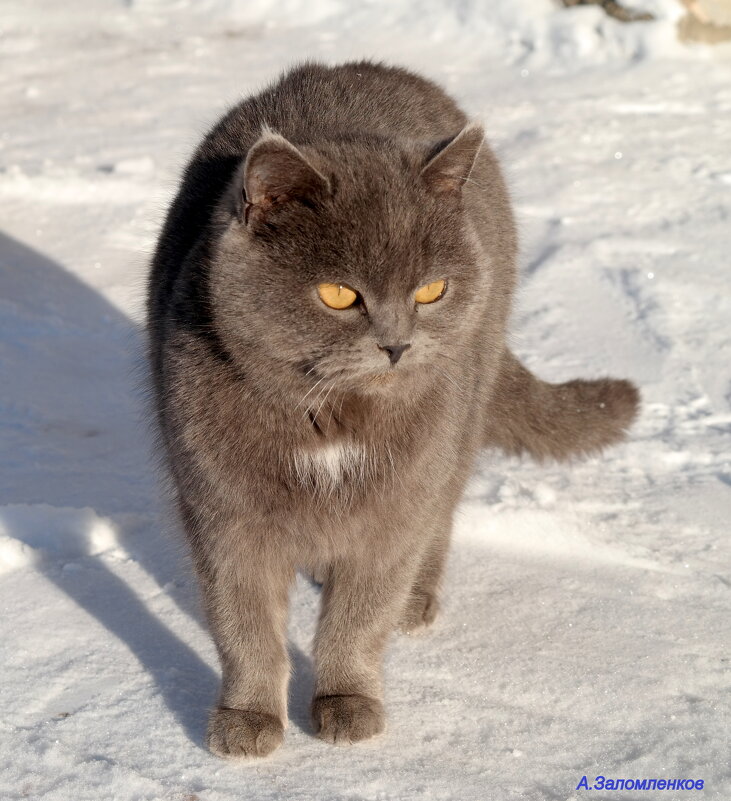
(386, 377)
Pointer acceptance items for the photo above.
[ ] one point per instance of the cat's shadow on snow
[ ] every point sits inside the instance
(93, 450)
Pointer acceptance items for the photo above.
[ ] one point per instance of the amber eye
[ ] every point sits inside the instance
(430, 292)
(336, 296)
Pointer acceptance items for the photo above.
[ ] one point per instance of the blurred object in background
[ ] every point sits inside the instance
(707, 21)
(613, 9)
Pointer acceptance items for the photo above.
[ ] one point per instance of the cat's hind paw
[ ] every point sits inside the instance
(237, 733)
(421, 611)
(345, 719)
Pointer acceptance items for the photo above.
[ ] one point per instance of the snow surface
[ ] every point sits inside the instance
(586, 622)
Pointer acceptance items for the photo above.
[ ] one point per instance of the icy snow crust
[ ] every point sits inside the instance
(586, 621)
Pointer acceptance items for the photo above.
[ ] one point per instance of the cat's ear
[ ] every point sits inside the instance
(276, 173)
(450, 163)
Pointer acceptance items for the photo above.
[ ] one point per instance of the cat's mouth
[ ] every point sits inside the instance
(380, 381)
(338, 382)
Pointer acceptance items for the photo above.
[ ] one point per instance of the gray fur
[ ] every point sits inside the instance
(292, 440)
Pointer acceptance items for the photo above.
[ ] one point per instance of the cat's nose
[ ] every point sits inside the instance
(394, 351)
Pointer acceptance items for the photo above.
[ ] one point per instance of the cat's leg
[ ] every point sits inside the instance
(422, 603)
(361, 604)
(246, 596)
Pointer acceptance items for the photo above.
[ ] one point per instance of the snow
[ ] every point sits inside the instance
(586, 620)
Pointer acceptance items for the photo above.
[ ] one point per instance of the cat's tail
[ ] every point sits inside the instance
(557, 421)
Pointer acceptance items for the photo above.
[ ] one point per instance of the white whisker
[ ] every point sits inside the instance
(324, 400)
(317, 384)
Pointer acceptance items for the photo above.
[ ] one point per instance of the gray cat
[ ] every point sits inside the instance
(327, 319)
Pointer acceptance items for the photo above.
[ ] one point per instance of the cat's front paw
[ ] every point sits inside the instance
(238, 733)
(421, 611)
(344, 719)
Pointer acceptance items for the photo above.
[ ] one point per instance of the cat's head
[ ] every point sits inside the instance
(351, 261)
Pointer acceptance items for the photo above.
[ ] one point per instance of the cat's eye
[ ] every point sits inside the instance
(430, 292)
(337, 296)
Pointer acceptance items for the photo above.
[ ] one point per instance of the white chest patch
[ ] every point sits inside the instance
(327, 465)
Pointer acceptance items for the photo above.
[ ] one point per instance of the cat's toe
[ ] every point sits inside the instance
(420, 612)
(237, 733)
(344, 719)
